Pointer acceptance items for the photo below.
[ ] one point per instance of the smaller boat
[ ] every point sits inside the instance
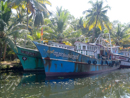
(83, 58)
(123, 56)
(30, 58)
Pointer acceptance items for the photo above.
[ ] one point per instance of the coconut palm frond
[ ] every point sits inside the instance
(11, 44)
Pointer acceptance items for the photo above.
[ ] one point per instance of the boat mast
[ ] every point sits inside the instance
(97, 39)
(110, 42)
(100, 41)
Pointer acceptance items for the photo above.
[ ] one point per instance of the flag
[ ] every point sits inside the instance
(41, 34)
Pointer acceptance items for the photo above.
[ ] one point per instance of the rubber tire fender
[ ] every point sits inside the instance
(89, 62)
(94, 62)
(106, 62)
(101, 62)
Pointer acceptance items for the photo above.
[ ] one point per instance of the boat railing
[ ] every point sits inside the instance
(62, 47)
(86, 52)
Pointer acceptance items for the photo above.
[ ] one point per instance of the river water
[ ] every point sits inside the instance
(115, 84)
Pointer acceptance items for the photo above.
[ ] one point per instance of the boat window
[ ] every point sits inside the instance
(79, 47)
(84, 47)
(88, 47)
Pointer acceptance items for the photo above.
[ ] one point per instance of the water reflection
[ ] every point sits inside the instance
(111, 85)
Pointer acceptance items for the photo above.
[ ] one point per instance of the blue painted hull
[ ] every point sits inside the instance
(59, 61)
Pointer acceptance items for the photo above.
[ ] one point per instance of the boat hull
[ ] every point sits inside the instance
(78, 73)
(62, 68)
(125, 62)
(62, 62)
(31, 59)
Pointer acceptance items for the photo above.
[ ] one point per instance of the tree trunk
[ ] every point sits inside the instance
(60, 40)
(27, 24)
(0, 52)
(4, 55)
(94, 30)
(93, 35)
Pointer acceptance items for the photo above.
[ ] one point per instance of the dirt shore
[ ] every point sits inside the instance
(11, 65)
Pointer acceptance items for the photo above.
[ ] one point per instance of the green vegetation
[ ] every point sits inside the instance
(21, 22)
(97, 17)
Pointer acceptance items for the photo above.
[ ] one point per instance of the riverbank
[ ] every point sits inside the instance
(11, 65)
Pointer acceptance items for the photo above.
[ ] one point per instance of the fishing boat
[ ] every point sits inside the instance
(30, 58)
(123, 56)
(83, 58)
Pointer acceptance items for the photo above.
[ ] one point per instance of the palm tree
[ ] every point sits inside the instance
(120, 34)
(20, 6)
(5, 13)
(96, 17)
(64, 27)
(8, 29)
(59, 23)
(36, 7)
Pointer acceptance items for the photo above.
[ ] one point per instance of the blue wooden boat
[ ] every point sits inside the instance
(84, 58)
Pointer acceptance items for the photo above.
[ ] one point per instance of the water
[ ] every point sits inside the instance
(115, 84)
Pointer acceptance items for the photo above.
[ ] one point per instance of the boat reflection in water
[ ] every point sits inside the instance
(112, 85)
(64, 87)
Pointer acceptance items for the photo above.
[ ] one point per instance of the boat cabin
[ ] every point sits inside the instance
(125, 53)
(88, 49)
(115, 49)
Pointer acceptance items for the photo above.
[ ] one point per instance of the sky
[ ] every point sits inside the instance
(120, 9)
